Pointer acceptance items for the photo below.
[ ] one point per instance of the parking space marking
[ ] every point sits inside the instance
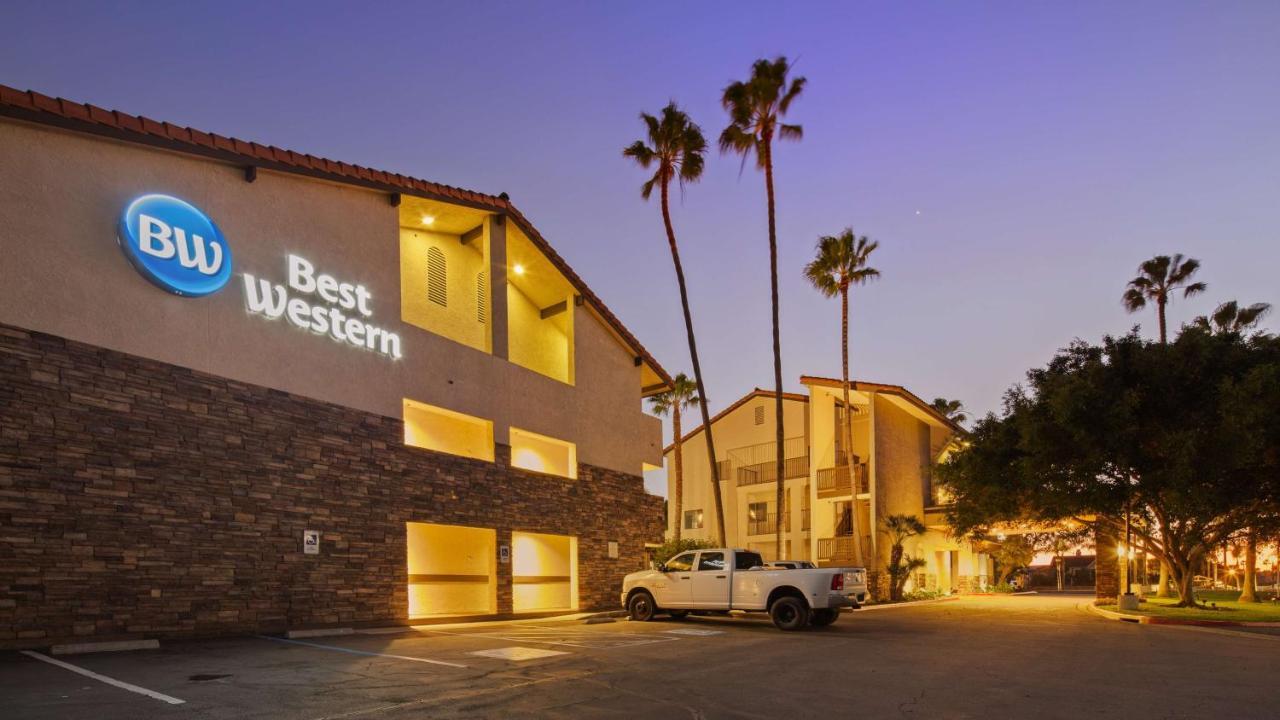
(518, 654)
(694, 631)
(353, 651)
(104, 679)
(569, 638)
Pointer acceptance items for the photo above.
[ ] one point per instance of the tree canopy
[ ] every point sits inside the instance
(1186, 436)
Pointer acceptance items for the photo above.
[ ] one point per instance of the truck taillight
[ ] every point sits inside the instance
(837, 581)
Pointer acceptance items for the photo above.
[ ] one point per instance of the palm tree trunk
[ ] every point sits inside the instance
(780, 434)
(1248, 593)
(679, 494)
(848, 422)
(1164, 338)
(697, 368)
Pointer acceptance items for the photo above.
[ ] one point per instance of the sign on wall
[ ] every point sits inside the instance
(311, 542)
(178, 248)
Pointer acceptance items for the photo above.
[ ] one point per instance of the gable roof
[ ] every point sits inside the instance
(734, 406)
(32, 106)
(905, 394)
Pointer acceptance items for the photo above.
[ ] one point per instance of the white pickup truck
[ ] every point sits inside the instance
(723, 579)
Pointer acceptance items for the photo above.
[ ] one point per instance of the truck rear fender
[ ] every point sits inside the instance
(786, 591)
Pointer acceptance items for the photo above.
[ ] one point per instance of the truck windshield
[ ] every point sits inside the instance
(747, 560)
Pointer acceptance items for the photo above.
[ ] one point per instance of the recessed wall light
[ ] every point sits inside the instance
(518, 269)
(428, 220)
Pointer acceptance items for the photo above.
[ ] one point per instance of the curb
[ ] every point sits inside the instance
(913, 603)
(1156, 620)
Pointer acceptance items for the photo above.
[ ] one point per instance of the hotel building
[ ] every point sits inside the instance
(897, 439)
(246, 390)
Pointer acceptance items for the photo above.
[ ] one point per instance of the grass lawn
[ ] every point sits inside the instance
(1227, 607)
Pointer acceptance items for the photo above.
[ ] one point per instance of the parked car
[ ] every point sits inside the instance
(723, 579)
(792, 565)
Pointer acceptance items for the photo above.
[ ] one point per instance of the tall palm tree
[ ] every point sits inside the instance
(683, 393)
(839, 262)
(1229, 317)
(952, 410)
(755, 108)
(1157, 279)
(675, 150)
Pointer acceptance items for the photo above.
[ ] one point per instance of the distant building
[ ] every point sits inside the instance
(897, 439)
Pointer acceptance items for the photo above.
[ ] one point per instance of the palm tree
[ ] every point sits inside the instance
(1229, 317)
(1157, 279)
(841, 261)
(682, 394)
(899, 528)
(952, 410)
(755, 107)
(675, 150)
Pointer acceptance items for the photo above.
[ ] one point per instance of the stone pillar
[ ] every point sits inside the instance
(506, 604)
(1108, 580)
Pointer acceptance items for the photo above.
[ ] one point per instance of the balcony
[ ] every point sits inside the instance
(834, 481)
(758, 464)
(767, 472)
(766, 525)
(839, 550)
(804, 518)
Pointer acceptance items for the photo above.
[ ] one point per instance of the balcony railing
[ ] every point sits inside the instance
(767, 472)
(762, 526)
(839, 550)
(804, 518)
(834, 481)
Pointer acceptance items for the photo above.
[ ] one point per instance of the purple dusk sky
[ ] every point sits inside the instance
(1016, 161)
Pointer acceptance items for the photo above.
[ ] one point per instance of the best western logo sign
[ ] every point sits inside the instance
(178, 248)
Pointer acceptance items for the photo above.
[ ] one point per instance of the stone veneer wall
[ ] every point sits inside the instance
(141, 499)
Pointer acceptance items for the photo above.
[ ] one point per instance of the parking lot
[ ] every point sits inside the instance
(975, 657)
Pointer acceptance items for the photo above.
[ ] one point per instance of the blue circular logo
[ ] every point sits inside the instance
(175, 246)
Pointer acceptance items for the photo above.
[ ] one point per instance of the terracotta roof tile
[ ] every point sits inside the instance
(33, 106)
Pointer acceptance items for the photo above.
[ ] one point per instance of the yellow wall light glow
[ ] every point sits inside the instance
(539, 453)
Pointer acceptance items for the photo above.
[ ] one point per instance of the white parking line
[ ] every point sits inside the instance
(361, 652)
(104, 679)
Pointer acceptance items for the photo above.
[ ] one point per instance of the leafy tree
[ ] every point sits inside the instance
(1184, 435)
(675, 151)
(1229, 317)
(755, 108)
(899, 528)
(682, 394)
(1157, 278)
(841, 261)
(1009, 552)
(952, 410)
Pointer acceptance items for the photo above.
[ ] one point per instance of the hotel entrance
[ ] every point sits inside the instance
(544, 572)
(452, 570)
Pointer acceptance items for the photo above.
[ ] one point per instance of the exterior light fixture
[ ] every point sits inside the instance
(428, 220)
(518, 269)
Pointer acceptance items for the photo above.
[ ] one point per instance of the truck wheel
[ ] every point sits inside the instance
(678, 614)
(824, 617)
(641, 607)
(789, 613)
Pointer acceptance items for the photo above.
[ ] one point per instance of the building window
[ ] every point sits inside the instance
(482, 298)
(759, 414)
(434, 428)
(437, 278)
(539, 453)
(692, 519)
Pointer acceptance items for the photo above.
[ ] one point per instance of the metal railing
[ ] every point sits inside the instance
(834, 481)
(840, 548)
(762, 526)
(767, 472)
(804, 518)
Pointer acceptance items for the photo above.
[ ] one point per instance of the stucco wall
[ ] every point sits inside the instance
(61, 194)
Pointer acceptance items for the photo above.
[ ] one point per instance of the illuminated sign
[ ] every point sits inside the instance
(174, 245)
(326, 317)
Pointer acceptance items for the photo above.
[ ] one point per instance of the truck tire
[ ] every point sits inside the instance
(641, 607)
(789, 613)
(824, 617)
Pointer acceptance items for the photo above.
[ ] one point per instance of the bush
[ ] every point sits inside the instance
(923, 595)
(672, 548)
(1002, 588)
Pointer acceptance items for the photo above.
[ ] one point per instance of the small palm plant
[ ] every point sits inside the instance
(682, 394)
(1157, 279)
(899, 528)
(674, 149)
(755, 108)
(1229, 317)
(840, 261)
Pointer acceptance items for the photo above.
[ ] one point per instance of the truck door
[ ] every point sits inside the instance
(675, 590)
(711, 581)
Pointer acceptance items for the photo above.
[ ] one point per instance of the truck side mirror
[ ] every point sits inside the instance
(660, 567)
